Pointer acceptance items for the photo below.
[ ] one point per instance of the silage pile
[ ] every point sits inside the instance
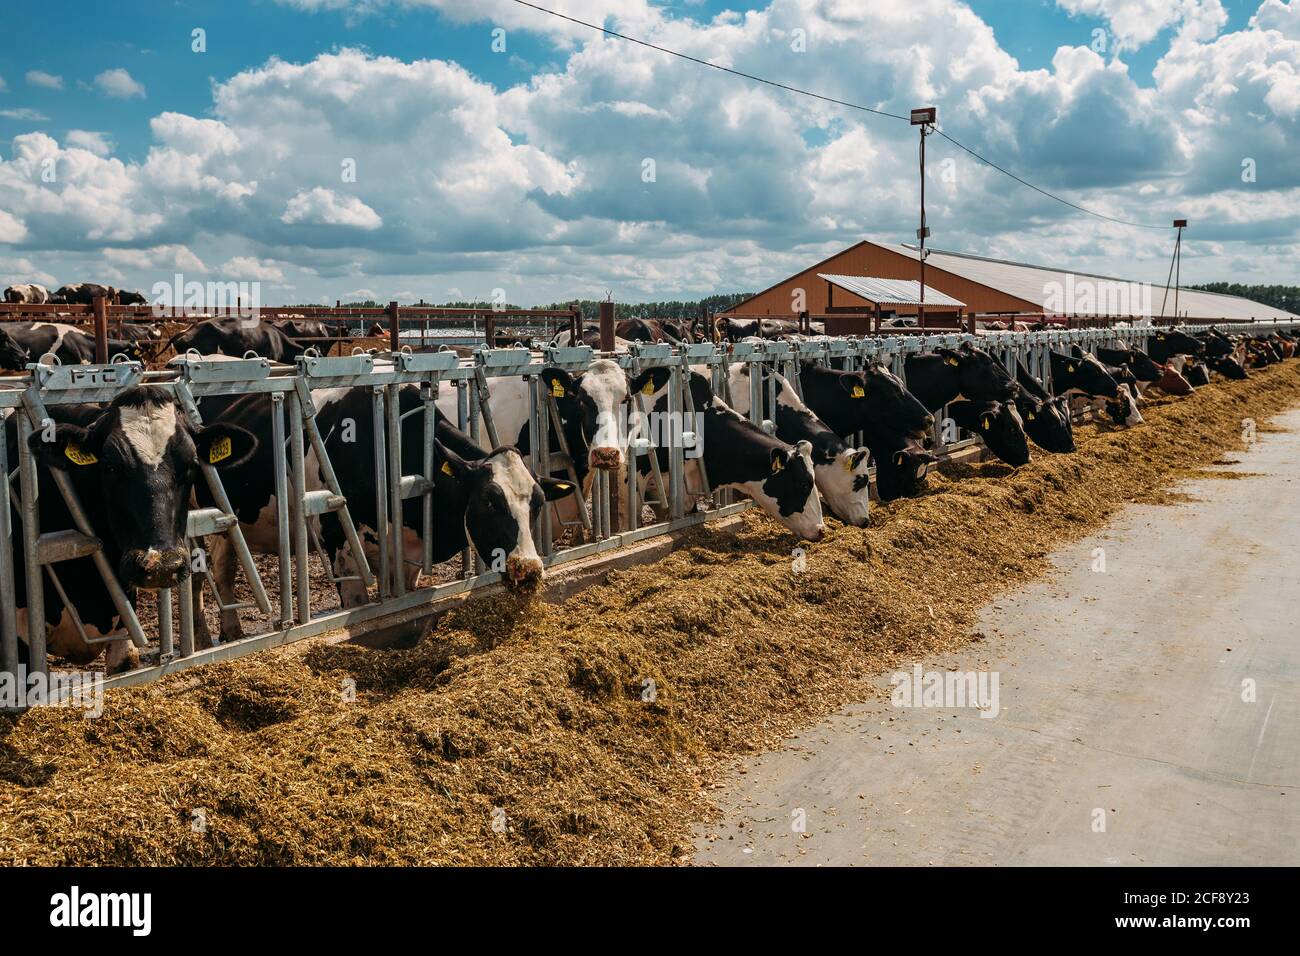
(522, 732)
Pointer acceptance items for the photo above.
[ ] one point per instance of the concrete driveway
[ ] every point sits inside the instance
(1148, 712)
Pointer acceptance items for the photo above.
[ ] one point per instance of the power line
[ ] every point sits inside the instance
(830, 99)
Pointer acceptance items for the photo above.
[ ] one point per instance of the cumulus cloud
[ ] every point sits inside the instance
(97, 143)
(321, 206)
(1135, 23)
(623, 168)
(250, 267)
(166, 257)
(119, 84)
(49, 81)
(21, 269)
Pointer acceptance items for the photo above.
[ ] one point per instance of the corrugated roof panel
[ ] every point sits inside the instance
(891, 291)
(1060, 291)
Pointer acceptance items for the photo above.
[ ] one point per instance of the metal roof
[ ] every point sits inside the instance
(1082, 293)
(891, 291)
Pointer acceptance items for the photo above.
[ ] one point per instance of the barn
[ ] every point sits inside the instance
(989, 288)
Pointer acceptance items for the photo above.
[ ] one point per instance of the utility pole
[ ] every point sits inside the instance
(923, 118)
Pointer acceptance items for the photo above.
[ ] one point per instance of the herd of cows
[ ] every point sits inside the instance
(135, 462)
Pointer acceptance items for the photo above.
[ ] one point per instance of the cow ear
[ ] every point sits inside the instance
(780, 458)
(68, 447)
(556, 488)
(224, 445)
(949, 356)
(559, 382)
(450, 463)
(649, 381)
(857, 458)
(855, 384)
(701, 391)
(900, 458)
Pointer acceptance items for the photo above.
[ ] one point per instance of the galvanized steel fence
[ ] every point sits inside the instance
(287, 604)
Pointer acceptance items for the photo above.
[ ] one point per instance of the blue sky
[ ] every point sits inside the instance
(525, 170)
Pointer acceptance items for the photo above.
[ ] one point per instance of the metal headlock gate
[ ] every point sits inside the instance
(599, 526)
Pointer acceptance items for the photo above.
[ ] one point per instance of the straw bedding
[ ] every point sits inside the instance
(526, 733)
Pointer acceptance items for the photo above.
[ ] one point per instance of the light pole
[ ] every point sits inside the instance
(923, 118)
(1175, 269)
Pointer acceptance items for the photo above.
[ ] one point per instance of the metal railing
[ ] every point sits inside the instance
(287, 603)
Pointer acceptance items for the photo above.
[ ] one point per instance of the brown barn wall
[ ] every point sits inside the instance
(868, 259)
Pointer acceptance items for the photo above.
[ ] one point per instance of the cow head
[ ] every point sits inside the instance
(1228, 367)
(1172, 381)
(1169, 342)
(980, 375)
(1082, 375)
(788, 490)
(1048, 424)
(590, 403)
(13, 357)
(140, 460)
(844, 481)
(1144, 368)
(998, 424)
(1196, 373)
(503, 499)
(873, 398)
(1123, 408)
(901, 470)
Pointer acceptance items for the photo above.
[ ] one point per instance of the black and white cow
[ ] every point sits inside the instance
(69, 344)
(736, 453)
(1144, 370)
(1083, 378)
(237, 337)
(1228, 367)
(873, 401)
(84, 293)
(841, 470)
(999, 426)
(1047, 420)
(486, 499)
(901, 467)
(131, 298)
(133, 463)
(1165, 345)
(28, 293)
(13, 357)
(947, 375)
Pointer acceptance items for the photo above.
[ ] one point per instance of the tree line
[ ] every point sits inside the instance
(1285, 297)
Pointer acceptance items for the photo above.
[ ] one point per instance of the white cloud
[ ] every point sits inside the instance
(14, 270)
(49, 81)
(119, 84)
(167, 258)
(12, 229)
(24, 113)
(321, 206)
(97, 143)
(1136, 23)
(250, 267)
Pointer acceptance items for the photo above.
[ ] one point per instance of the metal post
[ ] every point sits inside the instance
(396, 535)
(27, 490)
(166, 649)
(427, 399)
(282, 508)
(607, 326)
(8, 613)
(298, 474)
(394, 327)
(99, 307)
(381, 487)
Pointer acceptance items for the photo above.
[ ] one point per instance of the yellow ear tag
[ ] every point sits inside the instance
(75, 455)
(952, 361)
(219, 450)
(557, 388)
(1072, 367)
(988, 423)
(848, 465)
(562, 486)
(858, 392)
(649, 387)
(446, 469)
(777, 465)
(1030, 416)
(900, 459)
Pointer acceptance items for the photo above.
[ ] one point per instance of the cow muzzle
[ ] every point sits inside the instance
(152, 569)
(606, 459)
(523, 572)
